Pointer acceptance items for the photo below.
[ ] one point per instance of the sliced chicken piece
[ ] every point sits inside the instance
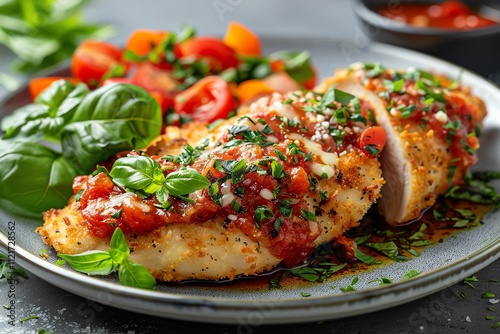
(430, 124)
(327, 186)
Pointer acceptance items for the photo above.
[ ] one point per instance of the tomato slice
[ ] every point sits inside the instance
(207, 100)
(220, 55)
(243, 40)
(372, 140)
(93, 59)
(158, 81)
(38, 85)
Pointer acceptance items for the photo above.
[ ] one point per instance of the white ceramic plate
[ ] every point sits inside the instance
(440, 265)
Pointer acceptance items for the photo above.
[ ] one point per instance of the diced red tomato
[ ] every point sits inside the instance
(38, 85)
(93, 59)
(219, 54)
(207, 100)
(375, 137)
(244, 41)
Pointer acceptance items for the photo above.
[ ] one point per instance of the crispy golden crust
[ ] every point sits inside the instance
(214, 250)
(208, 250)
(415, 161)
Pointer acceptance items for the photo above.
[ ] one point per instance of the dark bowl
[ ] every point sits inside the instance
(475, 49)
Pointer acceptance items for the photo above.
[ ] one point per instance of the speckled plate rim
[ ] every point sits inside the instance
(230, 311)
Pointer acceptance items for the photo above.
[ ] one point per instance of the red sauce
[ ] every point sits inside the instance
(105, 206)
(446, 15)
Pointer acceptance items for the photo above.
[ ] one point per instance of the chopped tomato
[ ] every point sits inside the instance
(38, 85)
(244, 41)
(219, 54)
(92, 60)
(157, 81)
(372, 140)
(207, 100)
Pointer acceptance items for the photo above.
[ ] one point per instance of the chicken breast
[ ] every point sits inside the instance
(431, 125)
(303, 184)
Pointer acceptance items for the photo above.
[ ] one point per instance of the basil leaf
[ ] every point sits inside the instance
(135, 275)
(91, 262)
(109, 120)
(44, 119)
(138, 173)
(118, 248)
(185, 181)
(33, 178)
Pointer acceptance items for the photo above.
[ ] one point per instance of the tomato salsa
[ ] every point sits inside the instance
(450, 14)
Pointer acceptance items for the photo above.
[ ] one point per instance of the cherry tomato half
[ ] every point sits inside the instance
(375, 137)
(93, 59)
(207, 100)
(220, 55)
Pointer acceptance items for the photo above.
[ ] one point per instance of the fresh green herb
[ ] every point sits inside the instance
(382, 281)
(489, 317)
(412, 273)
(31, 317)
(373, 70)
(277, 170)
(319, 273)
(305, 294)
(285, 208)
(60, 262)
(307, 215)
(488, 295)
(274, 284)
(429, 92)
(103, 263)
(280, 155)
(389, 249)
(262, 212)
(362, 256)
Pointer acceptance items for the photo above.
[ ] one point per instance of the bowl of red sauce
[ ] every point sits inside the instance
(465, 32)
